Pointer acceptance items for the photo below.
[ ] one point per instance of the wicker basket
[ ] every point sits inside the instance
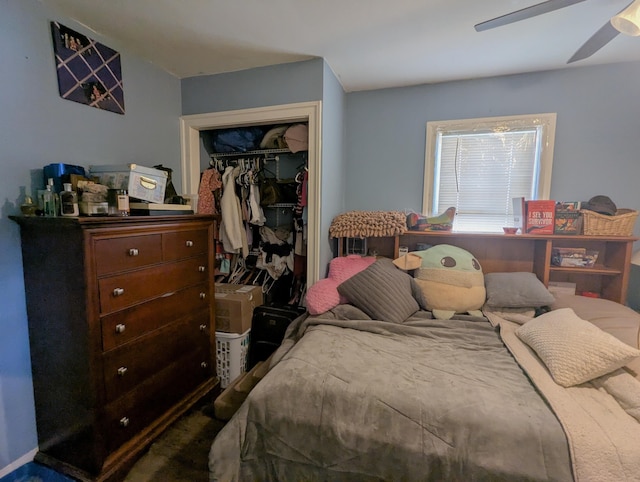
(621, 224)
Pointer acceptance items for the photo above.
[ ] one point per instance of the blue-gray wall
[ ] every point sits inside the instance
(37, 128)
(261, 87)
(597, 146)
(310, 80)
(334, 161)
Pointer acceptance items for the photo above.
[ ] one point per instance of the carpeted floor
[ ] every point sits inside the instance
(182, 451)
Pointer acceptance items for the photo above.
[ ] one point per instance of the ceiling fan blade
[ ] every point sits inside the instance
(598, 40)
(528, 12)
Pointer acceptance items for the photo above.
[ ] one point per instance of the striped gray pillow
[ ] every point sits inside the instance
(382, 291)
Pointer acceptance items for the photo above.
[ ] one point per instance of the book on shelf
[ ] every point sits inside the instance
(568, 206)
(568, 219)
(540, 216)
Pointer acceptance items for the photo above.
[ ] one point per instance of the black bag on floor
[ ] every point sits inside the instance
(267, 330)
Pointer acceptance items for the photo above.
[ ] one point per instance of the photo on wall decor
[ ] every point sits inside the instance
(88, 72)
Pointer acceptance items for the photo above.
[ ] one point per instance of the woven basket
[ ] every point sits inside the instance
(621, 224)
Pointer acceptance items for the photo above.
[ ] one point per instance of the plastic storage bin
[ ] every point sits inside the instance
(232, 350)
(145, 183)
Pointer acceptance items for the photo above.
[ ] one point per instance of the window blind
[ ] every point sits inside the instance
(481, 172)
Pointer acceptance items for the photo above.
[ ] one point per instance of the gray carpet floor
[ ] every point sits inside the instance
(181, 453)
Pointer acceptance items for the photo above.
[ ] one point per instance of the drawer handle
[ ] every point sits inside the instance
(118, 291)
(189, 244)
(203, 327)
(124, 421)
(122, 371)
(201, 269)
(133, 252)
(204, 364)
(203, 296)
(120, 328)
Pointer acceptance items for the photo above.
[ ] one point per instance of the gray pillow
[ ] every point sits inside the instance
(382, 291)
(616, 319)
(516, 290)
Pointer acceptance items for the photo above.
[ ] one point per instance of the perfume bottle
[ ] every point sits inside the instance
(69, 201)
(28, 208)
(50, 200)
(118, 200)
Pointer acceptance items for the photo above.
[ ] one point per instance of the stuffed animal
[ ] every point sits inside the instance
(451, 281)
(442, 222)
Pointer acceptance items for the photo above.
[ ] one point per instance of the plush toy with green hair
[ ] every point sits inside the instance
(451, 281)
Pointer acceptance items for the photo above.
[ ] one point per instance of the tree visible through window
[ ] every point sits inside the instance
(480, 165)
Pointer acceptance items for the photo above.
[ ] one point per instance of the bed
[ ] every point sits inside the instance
(351, 396)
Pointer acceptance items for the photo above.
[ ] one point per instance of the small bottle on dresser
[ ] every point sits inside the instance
(50, 200)
(118, 200)
(69, 201)
(28, 208)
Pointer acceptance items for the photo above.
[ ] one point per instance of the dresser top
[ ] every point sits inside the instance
(107, 221)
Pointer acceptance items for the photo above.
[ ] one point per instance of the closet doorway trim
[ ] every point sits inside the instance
(309, 112)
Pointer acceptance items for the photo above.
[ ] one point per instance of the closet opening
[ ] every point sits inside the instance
(270, 237)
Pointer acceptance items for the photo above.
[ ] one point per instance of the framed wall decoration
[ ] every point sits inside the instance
(88, 71)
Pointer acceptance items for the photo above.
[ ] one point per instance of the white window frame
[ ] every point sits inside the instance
(545, 123)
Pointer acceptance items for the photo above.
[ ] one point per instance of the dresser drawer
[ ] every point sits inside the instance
(128, 366)
(124, 290)
(126, 325)
(129, 252)
(138, 408)
(184, 244)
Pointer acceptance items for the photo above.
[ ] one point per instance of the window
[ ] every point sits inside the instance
(480, 165)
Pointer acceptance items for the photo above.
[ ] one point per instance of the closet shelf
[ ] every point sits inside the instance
(221, 155)
(280, 205)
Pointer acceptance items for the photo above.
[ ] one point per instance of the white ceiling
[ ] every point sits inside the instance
(369, 44)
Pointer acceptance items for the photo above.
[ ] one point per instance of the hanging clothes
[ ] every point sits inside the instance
(232, 231)
(257, 214)
(209, 183)
(300, 211)
(276, 253)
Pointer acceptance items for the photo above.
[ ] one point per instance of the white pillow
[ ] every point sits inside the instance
(574, 350)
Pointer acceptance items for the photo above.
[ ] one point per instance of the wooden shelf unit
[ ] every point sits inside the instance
(499, 252)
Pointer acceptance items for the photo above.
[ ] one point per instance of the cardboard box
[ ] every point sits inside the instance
(234, 306)
(141, 182)
(557, 288)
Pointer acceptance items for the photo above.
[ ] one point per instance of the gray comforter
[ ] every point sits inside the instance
(359, 399)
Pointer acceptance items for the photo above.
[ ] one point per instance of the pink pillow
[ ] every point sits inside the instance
(323, 295)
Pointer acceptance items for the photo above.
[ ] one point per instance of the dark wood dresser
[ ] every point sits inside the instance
(121, 330)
